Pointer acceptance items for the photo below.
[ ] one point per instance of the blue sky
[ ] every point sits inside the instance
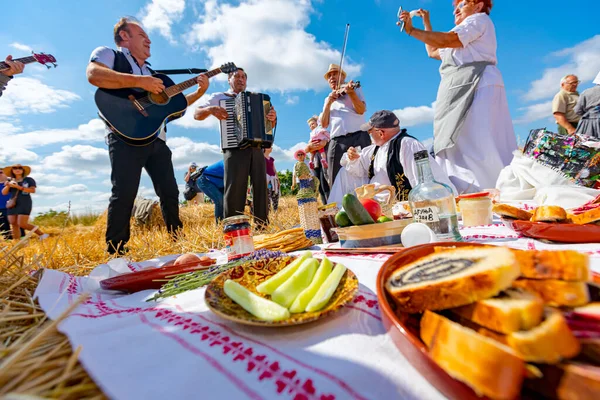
(48, 118)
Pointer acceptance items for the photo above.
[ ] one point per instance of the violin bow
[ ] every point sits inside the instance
(343, 54)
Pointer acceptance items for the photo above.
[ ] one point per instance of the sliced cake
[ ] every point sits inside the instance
(557, 293)
(452, 278)
(511, 311)
(566, 265)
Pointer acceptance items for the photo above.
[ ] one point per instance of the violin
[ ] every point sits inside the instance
(343, 90)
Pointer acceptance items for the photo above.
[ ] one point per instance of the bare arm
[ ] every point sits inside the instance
(203, 84)
(359, 106)
(27, 190)
(5, 190)
(437, 39)
(101, 76)
(327, 109)
(432, 52)
(312, 147)
(561, 119)
(187, 176)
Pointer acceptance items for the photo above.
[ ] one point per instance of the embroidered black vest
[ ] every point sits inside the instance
(395, 170)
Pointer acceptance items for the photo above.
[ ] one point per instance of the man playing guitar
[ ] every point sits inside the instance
(240, 163)
(15, 68)
(127, 68)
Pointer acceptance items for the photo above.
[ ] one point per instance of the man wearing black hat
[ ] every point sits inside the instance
(390, 161)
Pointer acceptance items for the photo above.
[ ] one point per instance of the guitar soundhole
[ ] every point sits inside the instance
(160, 98)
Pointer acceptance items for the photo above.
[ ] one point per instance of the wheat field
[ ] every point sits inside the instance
(36, 361)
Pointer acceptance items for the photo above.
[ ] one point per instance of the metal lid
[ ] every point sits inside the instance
(479, 195)
(236, 219)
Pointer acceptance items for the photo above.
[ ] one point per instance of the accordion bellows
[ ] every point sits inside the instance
(247, 124)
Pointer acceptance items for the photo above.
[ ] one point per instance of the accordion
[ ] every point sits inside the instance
(247, 124)
(575, 157)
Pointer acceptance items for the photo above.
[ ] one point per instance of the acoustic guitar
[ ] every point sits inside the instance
(137, 116)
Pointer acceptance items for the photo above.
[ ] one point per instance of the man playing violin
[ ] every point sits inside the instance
(343, 114)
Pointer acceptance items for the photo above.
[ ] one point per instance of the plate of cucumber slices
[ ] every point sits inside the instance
(277, 294)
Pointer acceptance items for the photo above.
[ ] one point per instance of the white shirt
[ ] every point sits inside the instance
(360, 167)
(106, 56)
(478, 37)
(343, 118)
(215, 98)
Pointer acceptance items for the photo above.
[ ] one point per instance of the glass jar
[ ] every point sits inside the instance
(476, 209)
(237, 233)
(327, 219)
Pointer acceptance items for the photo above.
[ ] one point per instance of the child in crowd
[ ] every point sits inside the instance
(317, 133)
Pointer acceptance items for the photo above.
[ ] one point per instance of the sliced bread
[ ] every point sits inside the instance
(452, 278)
(557, 293)
(511, 311)
(549, 342)
(488, 367)
(566, 265)
(549, 214)
(508, 211)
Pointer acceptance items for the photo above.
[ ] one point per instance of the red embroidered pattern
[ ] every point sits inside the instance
(285, 381)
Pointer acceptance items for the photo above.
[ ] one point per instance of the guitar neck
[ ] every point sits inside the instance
(24, 60)
(180, 87)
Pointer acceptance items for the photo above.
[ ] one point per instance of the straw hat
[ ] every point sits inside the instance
(8, 170)
(334, 68)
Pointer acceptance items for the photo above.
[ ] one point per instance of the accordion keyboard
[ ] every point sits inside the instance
(228, 136)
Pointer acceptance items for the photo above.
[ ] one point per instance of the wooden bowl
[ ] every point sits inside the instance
(372, 235)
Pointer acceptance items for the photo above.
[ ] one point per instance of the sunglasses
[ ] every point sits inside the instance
(17, 168)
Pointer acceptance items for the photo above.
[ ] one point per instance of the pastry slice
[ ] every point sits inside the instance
(557, 293)
(511, 311)
(566, 265)
(452, 278)
(507, 211)
(549, 214)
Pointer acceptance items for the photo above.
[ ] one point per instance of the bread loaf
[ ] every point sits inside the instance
(507, 211)
(566, 265)
(452, 278)
(557, 293)
(587, 217)
(549, 214)
(511, 311)
(569, 381)
(488, 367)
(548, 343)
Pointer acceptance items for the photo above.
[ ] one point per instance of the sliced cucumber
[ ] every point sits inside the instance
(299, 305)
(269, 286)
(288, 291)
(327, 289)
(259, 307)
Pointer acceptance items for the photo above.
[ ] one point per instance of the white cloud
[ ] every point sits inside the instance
(13, 155)
(78, 159)
(536, 112)
(268, 39)
(185, 150)
(160, 15)
(20, 46)
(292, 100)
(582, 60)
(92, 131)
(53, 191)
(30, 95)
(413, 116)
(188, 121)
(287, 155)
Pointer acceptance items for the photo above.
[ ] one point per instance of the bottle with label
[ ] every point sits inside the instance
(432, 202)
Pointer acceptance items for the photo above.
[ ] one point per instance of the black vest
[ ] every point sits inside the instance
(123, 65)
(395, 170)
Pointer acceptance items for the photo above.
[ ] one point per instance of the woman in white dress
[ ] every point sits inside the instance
(473, 133)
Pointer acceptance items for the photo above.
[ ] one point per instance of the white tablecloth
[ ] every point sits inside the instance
(177, 348)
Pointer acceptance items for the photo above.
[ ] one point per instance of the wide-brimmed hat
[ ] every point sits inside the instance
(8, 170)
(334, 68)
(298, 152)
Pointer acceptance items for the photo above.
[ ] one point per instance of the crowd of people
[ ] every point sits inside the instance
(474, 138)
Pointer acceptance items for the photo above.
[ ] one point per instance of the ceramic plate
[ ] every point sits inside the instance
(565, 233)
(252, 274)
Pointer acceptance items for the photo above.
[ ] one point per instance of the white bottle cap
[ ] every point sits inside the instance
(417, 233)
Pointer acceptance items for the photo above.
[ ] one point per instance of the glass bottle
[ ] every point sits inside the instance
(432, 202)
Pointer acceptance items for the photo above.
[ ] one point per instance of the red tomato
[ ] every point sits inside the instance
(373, 208)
